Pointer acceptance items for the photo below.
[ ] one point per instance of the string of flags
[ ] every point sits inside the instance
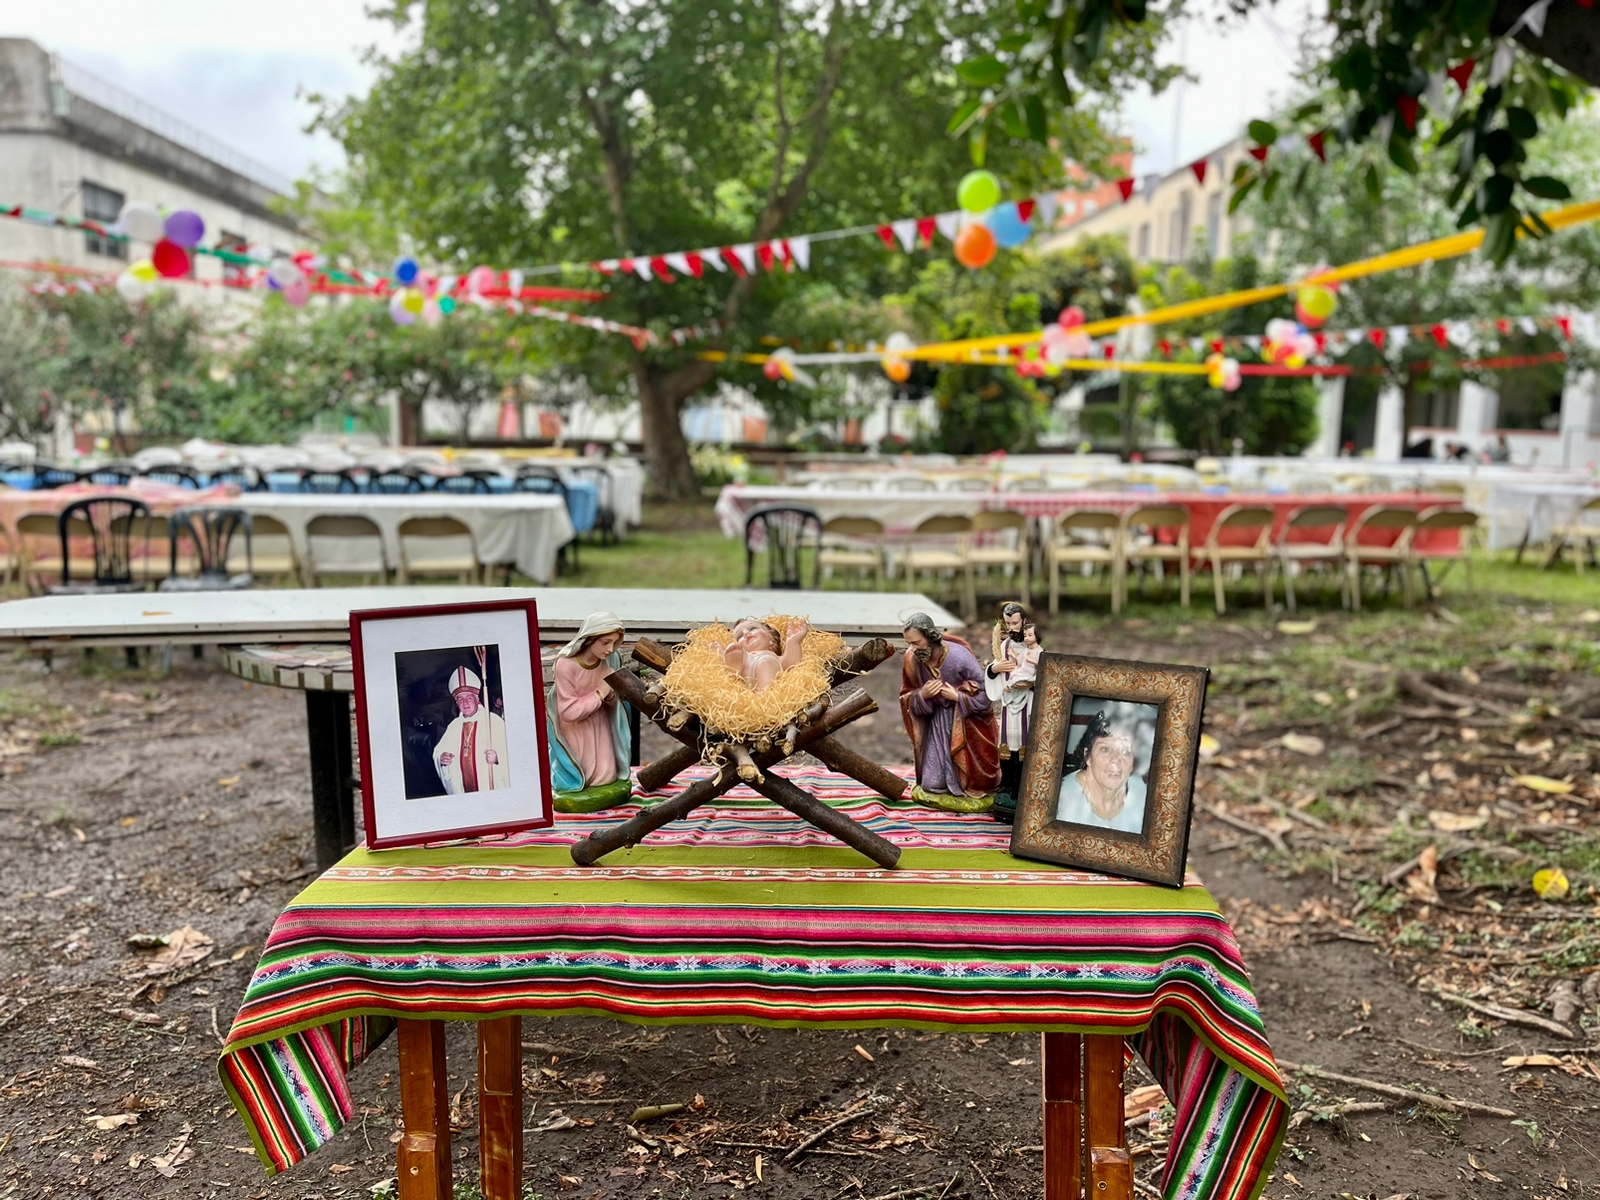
(1462, 334)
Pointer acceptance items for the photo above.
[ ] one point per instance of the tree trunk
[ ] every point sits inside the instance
(666, 452)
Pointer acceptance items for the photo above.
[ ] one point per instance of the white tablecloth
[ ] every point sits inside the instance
(1533, 511)
(526, 529)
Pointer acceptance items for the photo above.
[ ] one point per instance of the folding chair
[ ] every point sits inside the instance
(360, 540)
(1217, 552)
(1394, 556)
(435, 546)
(1461, 520)
(1139, 547)
(1582, 532)
(268, 551)
(1083, 537)
(949, 553)
(1003, 549)
(39, 550)
(853, 544)
(10, 559)
(1293, 556)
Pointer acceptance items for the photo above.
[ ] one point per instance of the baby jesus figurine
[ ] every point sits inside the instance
(758, 651)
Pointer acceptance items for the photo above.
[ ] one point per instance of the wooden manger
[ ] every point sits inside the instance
(750, 762)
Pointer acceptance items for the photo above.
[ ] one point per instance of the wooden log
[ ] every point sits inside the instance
(652, 654)
(500, 1108)
(791, 733)
(654, 776)
(639, 826)
(1061, 1062)
(828, 819)
(748, 771)
(423, 1157)
(1110, 1167)
(863, 658)
(858, 766)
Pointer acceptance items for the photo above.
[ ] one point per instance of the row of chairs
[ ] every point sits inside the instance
(1141, 539)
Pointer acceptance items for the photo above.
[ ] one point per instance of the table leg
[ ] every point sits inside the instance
(424, 1156)
(1110, 1168)
(1062, 1059)
(500, 1108)
(333, 816)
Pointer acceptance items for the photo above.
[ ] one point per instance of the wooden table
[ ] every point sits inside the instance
(1085, 1139)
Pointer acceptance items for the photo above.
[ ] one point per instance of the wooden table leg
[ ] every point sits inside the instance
(1110, 1168)
(1062, 1059)
(500, 1108)
(424, 1155)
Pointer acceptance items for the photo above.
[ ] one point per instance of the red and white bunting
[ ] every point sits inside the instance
(948, 224)
(800, 251)
(905, 232)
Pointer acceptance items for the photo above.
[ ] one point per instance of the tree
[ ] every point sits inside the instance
(1386, 62)
(580, 131)
(25, 396)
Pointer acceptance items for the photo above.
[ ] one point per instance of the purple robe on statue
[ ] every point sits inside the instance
(935, 718)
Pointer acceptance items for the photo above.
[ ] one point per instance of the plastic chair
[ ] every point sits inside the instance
(107, 522)
(468, 483)
(1581, 533)
(853, 544)
(1395, 556)
(243, 477)
(1083, 537)
(1464, 521)
(269, 550)
(393, 483)
(605, 510)
(950, 553)
(39, 550)
(46, 477)
(785, 533)
(438, 546)
(327, 483)
(1293, 556)
(110, 475)
(1135, 551)
(356, 534)
(1003, 549)
(545, 480)
(211, 532)
(174, 474)
(1217, 552)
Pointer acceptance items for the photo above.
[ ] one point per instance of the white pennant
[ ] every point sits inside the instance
(905, 232)
(1148, 188)
(1529, 326)
(1435, 93)
(800, 248)
(1399, 335)
(1045, 208)
(746, 254)
(641, 267)
(949, 224)
(678, 261)
(514, 282)
(1505, 54)
(713, 258)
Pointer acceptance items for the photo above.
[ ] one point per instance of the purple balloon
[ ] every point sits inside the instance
(185, 227)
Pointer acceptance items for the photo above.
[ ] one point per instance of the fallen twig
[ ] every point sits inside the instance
(1306, 1115)
(1275, 840)
(862, 1108)
(1514, 1015)
(1426, 1099)
(916, 1191)
(983, 1177)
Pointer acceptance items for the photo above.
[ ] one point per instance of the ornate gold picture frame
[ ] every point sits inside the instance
(1108, 782)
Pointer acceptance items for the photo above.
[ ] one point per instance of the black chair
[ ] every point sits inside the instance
(785, 533)
(549, 483)
(110, 475)
(605, 509)
(246, 479)
(45, 476)
(327, 483)
(212, 531)
(393, 483)
(468, 483)
(108, 521)
(177, 476)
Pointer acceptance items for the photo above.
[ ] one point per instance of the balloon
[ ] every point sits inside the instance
(1070, 315)
(481, 280)
(772, 369)
(430, 312)
(297, 293)
(978, 191)
(1314, 304)
(1223, 373)
(142, 222)
(282, 272)
(447, 305)
(185, 228)
(1006, 223)
(131, 288)
(405, 269)
(398, 312)
(898, 343)
(144, 271)
(169, 259)
(897, 369)
(1053, 343)
(975, 247)
(412, 300)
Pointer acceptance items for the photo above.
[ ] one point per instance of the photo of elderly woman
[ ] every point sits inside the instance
(1107, 760)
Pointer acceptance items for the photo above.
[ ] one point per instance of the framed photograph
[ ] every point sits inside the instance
(450, 721)
(1108, 782)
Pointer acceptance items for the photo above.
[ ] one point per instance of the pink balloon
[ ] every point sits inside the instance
(481, 280)
(398, 312)
(297, 293)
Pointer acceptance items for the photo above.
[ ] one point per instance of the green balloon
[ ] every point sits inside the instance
(978, 191)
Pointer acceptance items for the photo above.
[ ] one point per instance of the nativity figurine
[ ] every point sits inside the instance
(1009, 682)
(591, 743)
(949, 718)
(758, 651)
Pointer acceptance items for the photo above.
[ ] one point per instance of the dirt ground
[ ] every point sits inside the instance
(132, 804)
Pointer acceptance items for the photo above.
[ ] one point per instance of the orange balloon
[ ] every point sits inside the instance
(897, 369)
(975, 247)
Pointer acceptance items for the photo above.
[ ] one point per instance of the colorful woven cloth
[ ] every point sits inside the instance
(743, 913)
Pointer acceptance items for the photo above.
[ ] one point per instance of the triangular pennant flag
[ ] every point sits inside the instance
(1045, 206)
(1376, 337)
(679, 262)
(1259, 153)
(746, 254)
(1461, 73)
(695, 262)
(886, 233)
(1318, 143)
(624, 264)
(905, 232)
(1165, 347)
(1321, 341)
(514, 283)
(1198, 166)
(764, 254)
(1025, 210)
(1126, 186)
(1216, 345)
(948, 224)
(800, 248)
(714, 258)
(1407, 107)
(1197, 344)
(1399, 335)
(1440, 334)
(782, 248)
(1147, 186)
(641, 268)
(733, 260)
(925, 228)
(606, 266)
(658, 265)
(1111, 351)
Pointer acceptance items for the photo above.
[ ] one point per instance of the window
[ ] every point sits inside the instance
(1144, 242)
(1178, 241)
(105, 206)
(1214, 224)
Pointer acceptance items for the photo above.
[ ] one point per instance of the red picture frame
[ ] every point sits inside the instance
(359, 653)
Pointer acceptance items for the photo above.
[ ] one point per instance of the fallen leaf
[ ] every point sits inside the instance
(1532, 748)
(1482, 1170)
(72, 1060)
(651, 1112)
(1297, 628)
(116, 1121)
(1449, 822)
(1323, 698)
(181, 948)
(1551, 883)
(1208, 745)
(177, 1154)
(1542, 783)
(862, 1051)
(1420, 883)
(758, 1168)
(339, 1168)
(553, 1120)
(146, 941)
(1303, 743)
(229, 781)
(1471, 676)
(140, 1018)
(1531, 1060)
(1442, 772)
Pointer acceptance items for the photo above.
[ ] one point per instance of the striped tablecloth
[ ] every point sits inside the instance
(743, 913)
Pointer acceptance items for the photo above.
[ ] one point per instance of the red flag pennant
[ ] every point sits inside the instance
(1111, 351)
(1318, 143)
(764, 255)
(783, 252)
(1566, 327)
(1199, 168)
(1406, 106)
(1321, 340)
(625, 264)
(1377, 336)
(1441, 336)
(1461, 73)
(1126, 186)
(925, 229)
(1165, 347)
(732, 259)
(1025, 209)
(1503, 325)
(1259, 153)
(886, 232)
(697, 265)
(658, 266)
(1216, 345)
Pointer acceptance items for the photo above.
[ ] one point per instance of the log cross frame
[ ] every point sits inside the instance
(814, 737)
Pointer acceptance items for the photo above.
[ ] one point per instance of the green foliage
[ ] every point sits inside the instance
(987, 408)
(25, 395)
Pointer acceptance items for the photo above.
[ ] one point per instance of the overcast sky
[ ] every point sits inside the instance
(237, 70)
